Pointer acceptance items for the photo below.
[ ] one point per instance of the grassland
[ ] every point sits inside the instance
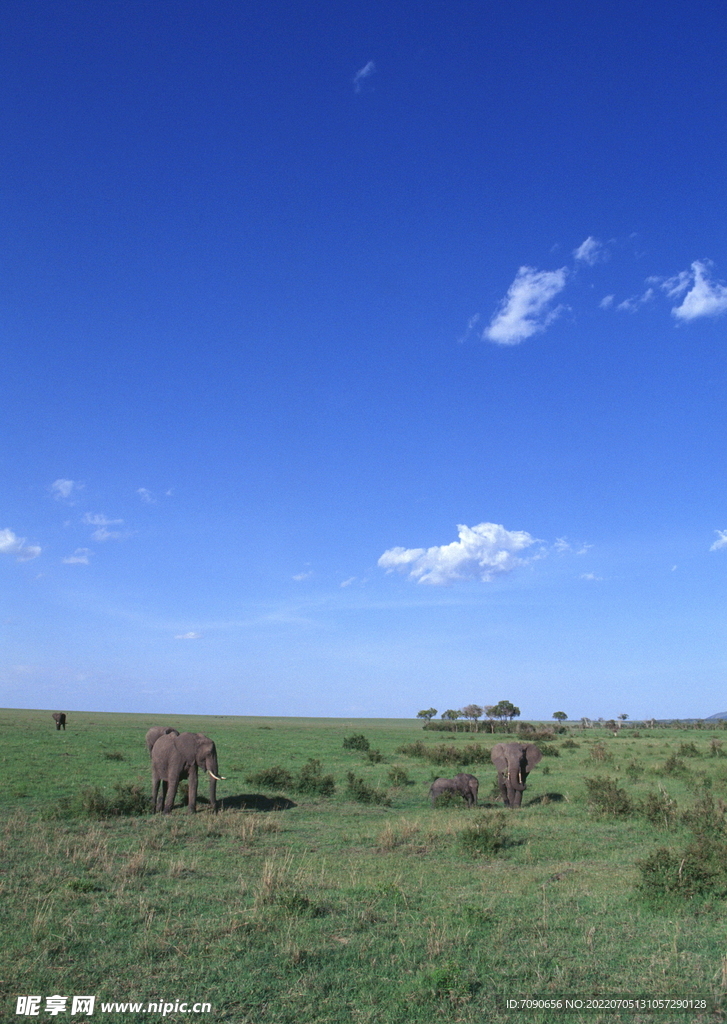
(333, 910)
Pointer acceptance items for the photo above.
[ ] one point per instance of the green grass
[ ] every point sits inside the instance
(333, 910)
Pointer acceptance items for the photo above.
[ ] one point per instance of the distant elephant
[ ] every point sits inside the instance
(155, 732)
(514, 762)
(464, 784)
(59, 717)
(178, 757)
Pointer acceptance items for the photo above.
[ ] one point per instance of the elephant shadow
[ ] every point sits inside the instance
(256, 802)
(546, 798)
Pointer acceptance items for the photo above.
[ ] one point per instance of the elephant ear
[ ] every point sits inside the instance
(532, 756)
(499, 758)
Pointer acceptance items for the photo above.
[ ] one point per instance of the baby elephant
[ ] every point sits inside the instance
(59, 717)
(464, 784)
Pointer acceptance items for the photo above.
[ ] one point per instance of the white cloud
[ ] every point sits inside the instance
(91, 519)
(145, 495)
(63, 489)
(302, 576)
(606, 301)
(471, 324)
(635, 303)
(79, 557)
(591, 576)
(481, 553)
(348, 582)
(12, 545)
(721, 541)
(704, 298)
(524, 310)
(187, 636)
(362, 74)
(103, 534)
(591, 251)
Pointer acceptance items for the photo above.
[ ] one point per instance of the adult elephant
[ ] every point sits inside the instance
(155, 732)
(174, 758)
(59, 717)
(514, 762)
(464, 784)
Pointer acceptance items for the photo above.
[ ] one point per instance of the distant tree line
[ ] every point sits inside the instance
(495, 715)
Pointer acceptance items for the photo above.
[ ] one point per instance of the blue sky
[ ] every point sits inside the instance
(363, 358)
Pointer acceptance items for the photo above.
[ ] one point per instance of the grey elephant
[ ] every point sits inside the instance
(464, 784)
(155, 732)
(59, 717)
(174, 758)
(514, 762)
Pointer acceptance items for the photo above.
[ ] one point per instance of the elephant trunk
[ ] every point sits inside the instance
(515, 780)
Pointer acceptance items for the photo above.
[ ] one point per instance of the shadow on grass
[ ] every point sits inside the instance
(256, 802)
(546, 798)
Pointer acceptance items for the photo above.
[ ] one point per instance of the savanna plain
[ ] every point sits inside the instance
(327, 889)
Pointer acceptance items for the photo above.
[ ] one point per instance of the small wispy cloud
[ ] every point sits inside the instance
(302, 576)
(525, 310)
(591, 576)
(471, 324)
(94, 519)
(79, 557)
(10, 544)
(607, 301)
(187, 636)
(348, 582)
(146, 495)
(481, 553)
(562, 544)
(591, 252)
(635, 303)
(721, 541)
(362, 74)
(64, 490)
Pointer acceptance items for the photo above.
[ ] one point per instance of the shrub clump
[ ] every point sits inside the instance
(598, 752)
(674, 766)
(570, 745)
(688, 750)
(356, 742)
(447, 754)
(698, 870)
(312, 780)
(398, 776)
(128, 799)
(374, 756)
(485, 838)
(114, 755)
(606, 799)
(365, 794)
(549, 750)
(658, 808)
(274, 778)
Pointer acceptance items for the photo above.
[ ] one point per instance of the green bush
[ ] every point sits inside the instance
(365, 794)
(374, 756)
(706, 819)
(570, 745)
(272, 778)
(549, 750)
(444, 754)
(398, 776)
(356, 742)
(606, 799)
(673, 766)
(312, 780)
(128, 799)
(114, 755)
(485, 838)
(658, 808)
(698, 870)
(688, 750)
(634, 770)
(598, 752)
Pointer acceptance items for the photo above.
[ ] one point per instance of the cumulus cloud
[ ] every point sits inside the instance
(187, 636)
(10, 544)
(721, 541)
(362, 74)
(62, 490)
(102, 523)
(525, 309)
(79, 557)
(703, 296)
(481, 553)
(591, 251)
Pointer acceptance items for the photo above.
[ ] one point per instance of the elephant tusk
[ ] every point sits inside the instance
(217, 778)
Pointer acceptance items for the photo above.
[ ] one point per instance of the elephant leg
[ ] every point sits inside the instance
(504, 790)
(192, 789)
(171, 791)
